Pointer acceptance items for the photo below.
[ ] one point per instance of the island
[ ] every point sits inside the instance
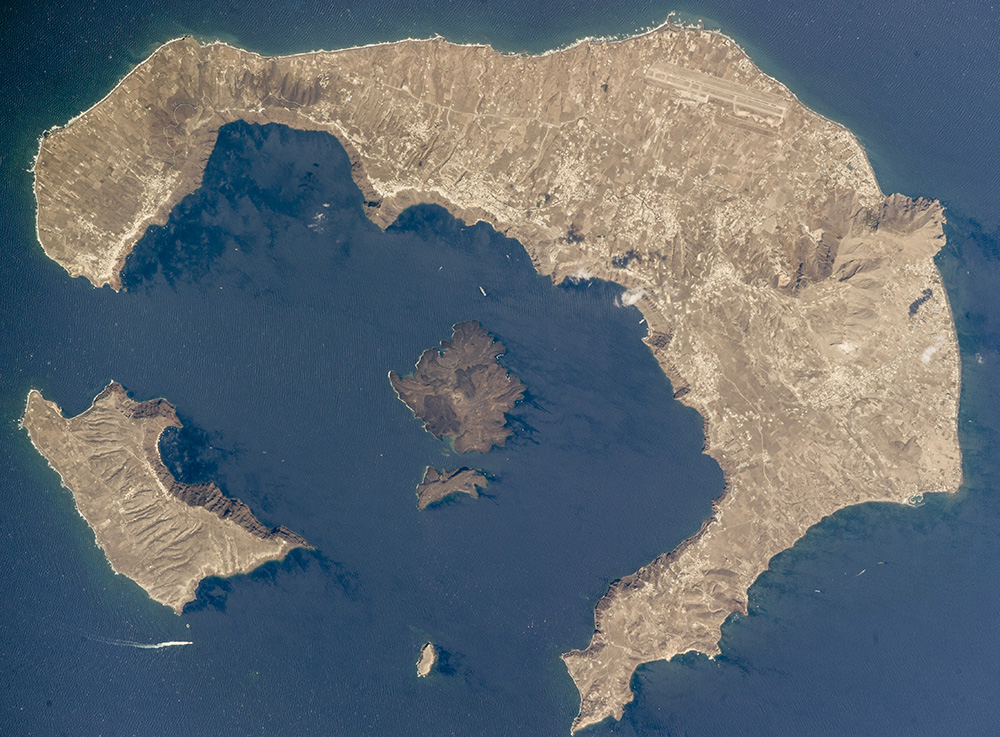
(437, 485)
(164, 535)
(427, 659)
(460, 391)
(774, 276)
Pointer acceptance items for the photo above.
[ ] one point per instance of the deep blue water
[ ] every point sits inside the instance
(273, 339)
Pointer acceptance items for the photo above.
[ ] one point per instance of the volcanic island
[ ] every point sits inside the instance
(438, 485)
(461, 391)
(164, 535)
(787, 299)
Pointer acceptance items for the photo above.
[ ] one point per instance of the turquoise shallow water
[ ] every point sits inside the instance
(285, 399)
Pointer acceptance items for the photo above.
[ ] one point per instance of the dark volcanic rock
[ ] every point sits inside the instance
(461, 391)
(440, 484)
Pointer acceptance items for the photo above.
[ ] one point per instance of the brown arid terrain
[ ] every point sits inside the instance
(164, 535)
(460, 391)
(427, 659)
(437, 485)
(788, 300)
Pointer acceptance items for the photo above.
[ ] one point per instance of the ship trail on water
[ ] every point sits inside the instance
(140, 645)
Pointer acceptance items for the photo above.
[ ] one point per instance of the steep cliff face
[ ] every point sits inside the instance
(164, 535)
(209, 496)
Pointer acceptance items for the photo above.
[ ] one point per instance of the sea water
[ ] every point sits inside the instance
(269, 311)
(272, 328)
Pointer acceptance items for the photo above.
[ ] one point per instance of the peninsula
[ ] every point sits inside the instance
(164, 535)
(461, 391)
(437, 485)
(775, 277)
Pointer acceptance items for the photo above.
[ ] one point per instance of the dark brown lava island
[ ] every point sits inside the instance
(461, 391)
(440, 484)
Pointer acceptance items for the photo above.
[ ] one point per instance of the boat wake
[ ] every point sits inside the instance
(139, 645)
(116, 642)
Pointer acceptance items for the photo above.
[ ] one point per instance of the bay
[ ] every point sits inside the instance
(280, 390)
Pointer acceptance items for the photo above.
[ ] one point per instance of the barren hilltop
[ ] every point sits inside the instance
(461, 391)
(788, 300)
(164, 535)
